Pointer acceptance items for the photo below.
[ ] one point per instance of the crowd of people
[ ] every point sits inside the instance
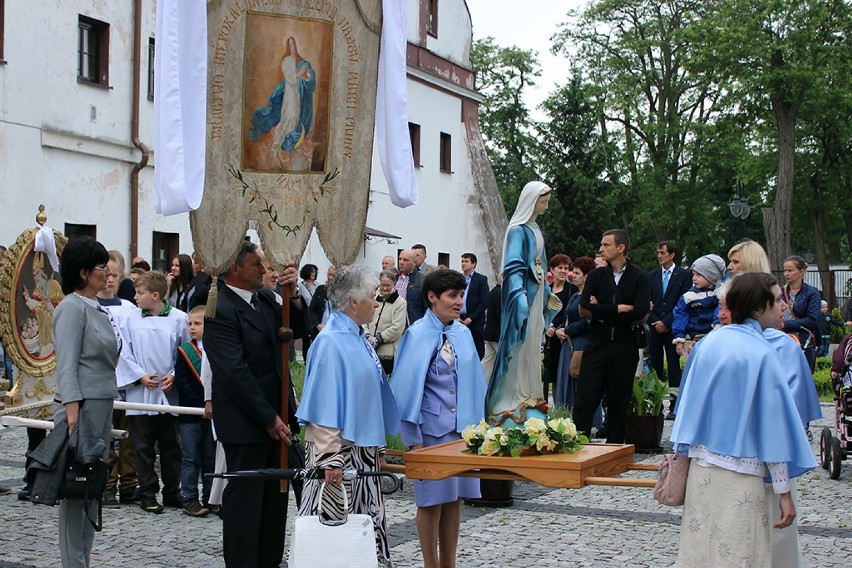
(409, 350)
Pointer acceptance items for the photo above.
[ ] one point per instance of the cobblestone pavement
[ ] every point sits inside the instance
(593, 526)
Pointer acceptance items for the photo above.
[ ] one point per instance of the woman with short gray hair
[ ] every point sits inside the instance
(348, 407)
(353, 281)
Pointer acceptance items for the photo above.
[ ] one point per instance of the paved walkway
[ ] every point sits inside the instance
(593, 526)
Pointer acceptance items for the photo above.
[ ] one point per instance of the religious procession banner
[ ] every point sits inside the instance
(29, 293)
(291, 98)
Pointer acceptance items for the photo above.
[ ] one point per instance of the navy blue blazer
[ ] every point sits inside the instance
(242, 346)
(477, 299)
(679, 284)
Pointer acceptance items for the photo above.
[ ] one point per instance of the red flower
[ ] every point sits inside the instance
(543, 407)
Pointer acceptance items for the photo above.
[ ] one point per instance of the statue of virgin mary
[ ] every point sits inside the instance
(515, 391)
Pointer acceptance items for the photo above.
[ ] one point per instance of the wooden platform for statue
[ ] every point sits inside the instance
(594, 464)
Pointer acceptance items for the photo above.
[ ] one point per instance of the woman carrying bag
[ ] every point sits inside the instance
(348, 409)
(389, 322)
(87, 348)
(573, 334)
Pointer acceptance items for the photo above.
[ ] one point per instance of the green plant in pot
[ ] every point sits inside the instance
(644, 428)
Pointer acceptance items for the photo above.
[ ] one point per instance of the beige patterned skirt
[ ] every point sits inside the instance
(725, 519)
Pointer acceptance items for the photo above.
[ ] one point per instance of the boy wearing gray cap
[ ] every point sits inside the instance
(693, 314)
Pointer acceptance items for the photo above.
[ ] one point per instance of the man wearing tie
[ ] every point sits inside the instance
(475, 301)
(668, 283)
(244, 350)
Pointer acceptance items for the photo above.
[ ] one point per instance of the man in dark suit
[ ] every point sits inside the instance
(409, 285)
(475, 301)
(668, 283)
(615, 297)
(244, 350)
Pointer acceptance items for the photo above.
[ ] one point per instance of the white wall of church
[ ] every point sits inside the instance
(68, 144)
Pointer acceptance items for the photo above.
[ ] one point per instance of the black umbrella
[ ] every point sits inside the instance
(308, 473)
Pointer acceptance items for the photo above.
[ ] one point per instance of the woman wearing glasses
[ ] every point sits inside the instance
(87, 347)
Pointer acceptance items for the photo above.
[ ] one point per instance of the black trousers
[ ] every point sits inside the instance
(478, 334)
(35, 436)
(254, 512)
(658, 344)
(608, 367)
(147, 433)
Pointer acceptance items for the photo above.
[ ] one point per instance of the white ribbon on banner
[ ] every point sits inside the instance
(180, 105)
(392, 107)
(46, 243)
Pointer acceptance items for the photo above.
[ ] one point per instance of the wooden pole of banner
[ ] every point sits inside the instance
(285, 378)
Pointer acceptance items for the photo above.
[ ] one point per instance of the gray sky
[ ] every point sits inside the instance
(528, 24)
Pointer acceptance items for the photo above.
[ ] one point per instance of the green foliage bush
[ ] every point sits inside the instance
(838, 333)
(822, 379)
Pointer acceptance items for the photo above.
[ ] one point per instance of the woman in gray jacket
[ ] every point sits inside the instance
(87, 347)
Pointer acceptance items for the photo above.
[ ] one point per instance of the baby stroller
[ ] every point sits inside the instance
(833, 450)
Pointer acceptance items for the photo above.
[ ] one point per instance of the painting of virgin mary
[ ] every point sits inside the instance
(287, 131)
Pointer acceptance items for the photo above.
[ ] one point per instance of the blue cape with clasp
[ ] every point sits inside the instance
(735, 401)
(415, 354)
(345, 386)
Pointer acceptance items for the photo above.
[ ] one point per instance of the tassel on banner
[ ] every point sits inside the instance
(212, 297)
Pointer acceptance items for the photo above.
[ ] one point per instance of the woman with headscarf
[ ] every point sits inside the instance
(515, 390)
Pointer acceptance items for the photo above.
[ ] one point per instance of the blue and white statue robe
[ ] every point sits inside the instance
(515, 387)
(345, 386)
(736, 402)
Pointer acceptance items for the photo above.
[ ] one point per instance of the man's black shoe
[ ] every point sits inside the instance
(670, 415)
(24, 494)
(150, 505)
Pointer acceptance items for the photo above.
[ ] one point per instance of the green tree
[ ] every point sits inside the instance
(575, 158)
(770, 55)
(503, 74)
(658, 114)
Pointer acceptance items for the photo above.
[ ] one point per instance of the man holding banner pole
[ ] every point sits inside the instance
(243, 345)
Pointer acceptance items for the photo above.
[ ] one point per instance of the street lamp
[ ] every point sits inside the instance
(739, 205)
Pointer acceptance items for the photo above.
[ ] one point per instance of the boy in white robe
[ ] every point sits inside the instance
(152, 333)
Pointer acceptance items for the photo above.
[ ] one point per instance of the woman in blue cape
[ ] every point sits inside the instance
(348, 406)
(784, 541)
(738, 422)
(440, 388)
(515, 391)
(289, 110)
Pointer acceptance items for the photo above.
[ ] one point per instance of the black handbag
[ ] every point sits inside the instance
(87, 482)
(641, 332)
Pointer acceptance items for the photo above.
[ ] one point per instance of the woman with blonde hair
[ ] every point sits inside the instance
(747, 256)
